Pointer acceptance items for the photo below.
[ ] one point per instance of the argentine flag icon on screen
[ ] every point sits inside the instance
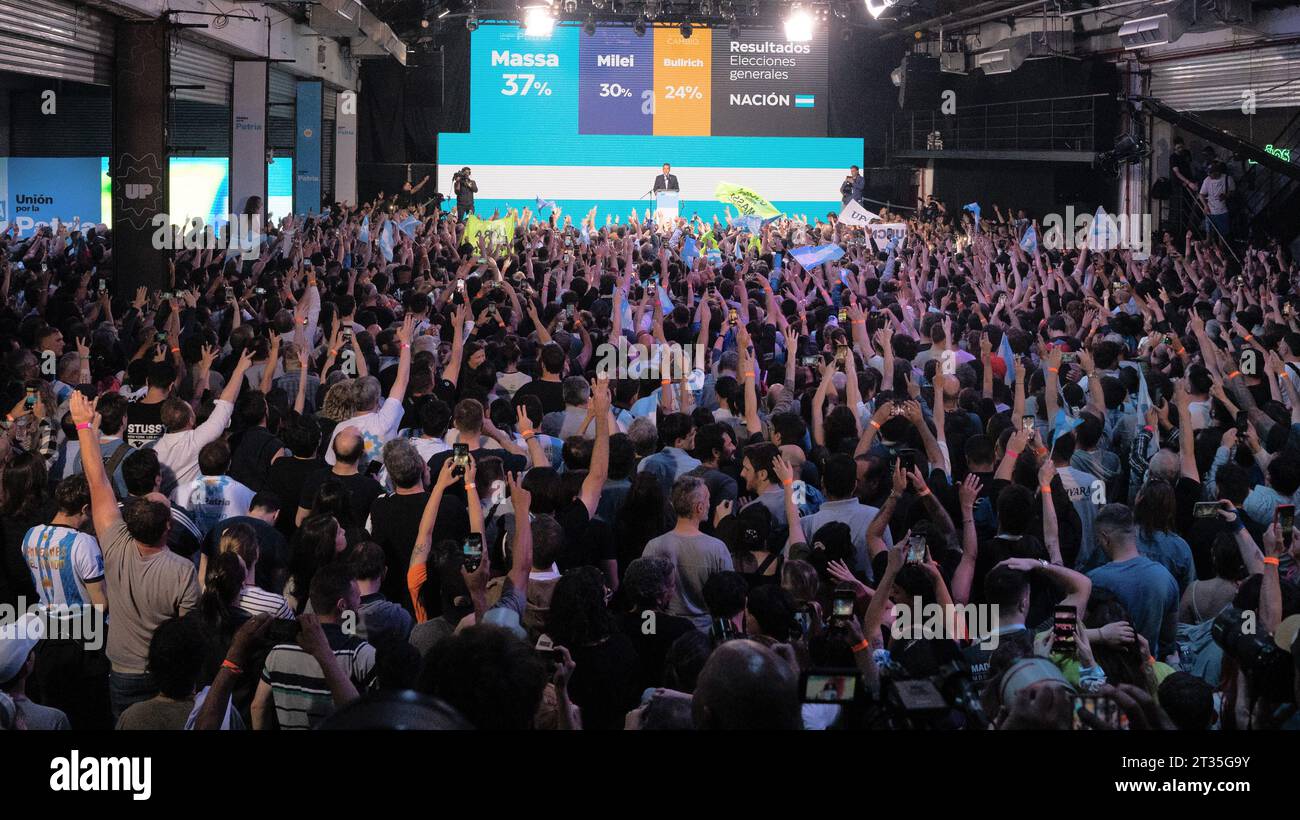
(804, 100)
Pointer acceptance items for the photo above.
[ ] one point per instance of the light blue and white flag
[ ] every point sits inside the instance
(543, 204)
(1004, 350)
(408, 226)
(363, 235)
(387, 240)
(690, 251)
(750, 223)
(584, 234)
(714, 256)
(1063, 423)
(1029, 242)
(974, 209)
(811, 257)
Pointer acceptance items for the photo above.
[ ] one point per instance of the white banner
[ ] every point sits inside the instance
(856, 215)
(886, 232)
(345, 148)
(248, 134)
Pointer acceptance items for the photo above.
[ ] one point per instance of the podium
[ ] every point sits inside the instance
(665, 205)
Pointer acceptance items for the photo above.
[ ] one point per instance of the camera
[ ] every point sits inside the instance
(1257, 654)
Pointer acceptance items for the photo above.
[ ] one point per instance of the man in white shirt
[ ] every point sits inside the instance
(178, 450)
(215, 496)
(378, 423)
(1214, 194)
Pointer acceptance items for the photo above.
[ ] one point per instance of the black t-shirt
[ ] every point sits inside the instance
(551, 394)
(1186, 493)
(651, 634)
(144, 424)
(285, 478)
(362, 490)
(510, 462)
(251, 455)
(604, 683)
(272, 547)
(394, 524)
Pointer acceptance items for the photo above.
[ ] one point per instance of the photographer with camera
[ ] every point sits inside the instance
(464, 187)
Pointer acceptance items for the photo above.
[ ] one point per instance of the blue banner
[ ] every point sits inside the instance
(307, 150)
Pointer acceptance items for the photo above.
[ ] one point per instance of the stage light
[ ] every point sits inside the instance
(589, 27)
(755, 9)
(638, 27)
(471, 22)
(538, 21)
(799, 26)
(570, 6)
(877, 7)
(444, 13)
(651, 9)
(686, 30)
(706, 8)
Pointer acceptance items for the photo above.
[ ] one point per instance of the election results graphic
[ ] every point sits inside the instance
(587, 120)
(661, 83)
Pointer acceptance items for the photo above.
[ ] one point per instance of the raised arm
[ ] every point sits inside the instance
(103, 501)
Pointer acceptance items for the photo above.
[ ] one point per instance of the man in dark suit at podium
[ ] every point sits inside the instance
(666, 181)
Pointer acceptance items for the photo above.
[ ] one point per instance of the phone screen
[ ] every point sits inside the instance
(31, 397)
(471, 551)
(1065, 622)
(842, 605)
(1205, 509)
(1027, 423)
(831, 686)
(1285, 518)
(460, 457)
(916, 549)
(1243, 422)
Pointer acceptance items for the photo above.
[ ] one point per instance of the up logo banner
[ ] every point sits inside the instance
(138, 189)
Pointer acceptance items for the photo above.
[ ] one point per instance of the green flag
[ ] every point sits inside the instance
(747, 202)
(501, 232)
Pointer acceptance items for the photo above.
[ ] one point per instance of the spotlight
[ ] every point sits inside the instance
(589, 27)
(638, 27)
(755, 9)
(686, 30)
(471, 22)
(538, 21)
(444, 13)
(651, 10)
(877, 7)
(570, 6)
(799, 26)
(706, 8)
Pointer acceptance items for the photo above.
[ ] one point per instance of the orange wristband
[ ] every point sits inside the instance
(1234, 374)
(861, 646)
(788, 482)
(1013, 454)
(1053, 370)
(527, 434)
(471, 486)
(1046, 488)
(1271, 561)
(875, 424)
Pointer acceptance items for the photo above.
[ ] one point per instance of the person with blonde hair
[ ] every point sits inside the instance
(241, 539)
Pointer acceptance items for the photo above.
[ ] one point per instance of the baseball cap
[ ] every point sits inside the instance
(1029, 672)
(17, 640)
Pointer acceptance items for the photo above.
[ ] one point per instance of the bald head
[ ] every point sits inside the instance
(348, 446)
(1165, 465)
(745, 685)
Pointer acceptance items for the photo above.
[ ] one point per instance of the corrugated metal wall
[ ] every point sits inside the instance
(52, 38)
(1217, 81)
(282, 100)
(329, 115)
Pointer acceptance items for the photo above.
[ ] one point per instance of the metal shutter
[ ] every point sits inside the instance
(196, 65)
(52, 38)
(82, 125)
(1216, 81)
(200, 117)
(282, 104)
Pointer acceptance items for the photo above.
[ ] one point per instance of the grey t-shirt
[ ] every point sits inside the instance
(142, 593)
(41, 718)
(696, 557)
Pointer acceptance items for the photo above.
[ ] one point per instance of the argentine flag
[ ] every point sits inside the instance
(810, 258)
(386, 241)
(974, 209)
(363, 235)
(805, 100)
(1004, 350)
(542, 204)
(690, 251)
(1029, 242)
(408, 226)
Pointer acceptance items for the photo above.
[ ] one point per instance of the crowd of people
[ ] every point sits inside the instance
(604, 473)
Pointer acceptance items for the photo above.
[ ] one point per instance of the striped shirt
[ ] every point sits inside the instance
(298, 689)
(62, 560)
(255, 601)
